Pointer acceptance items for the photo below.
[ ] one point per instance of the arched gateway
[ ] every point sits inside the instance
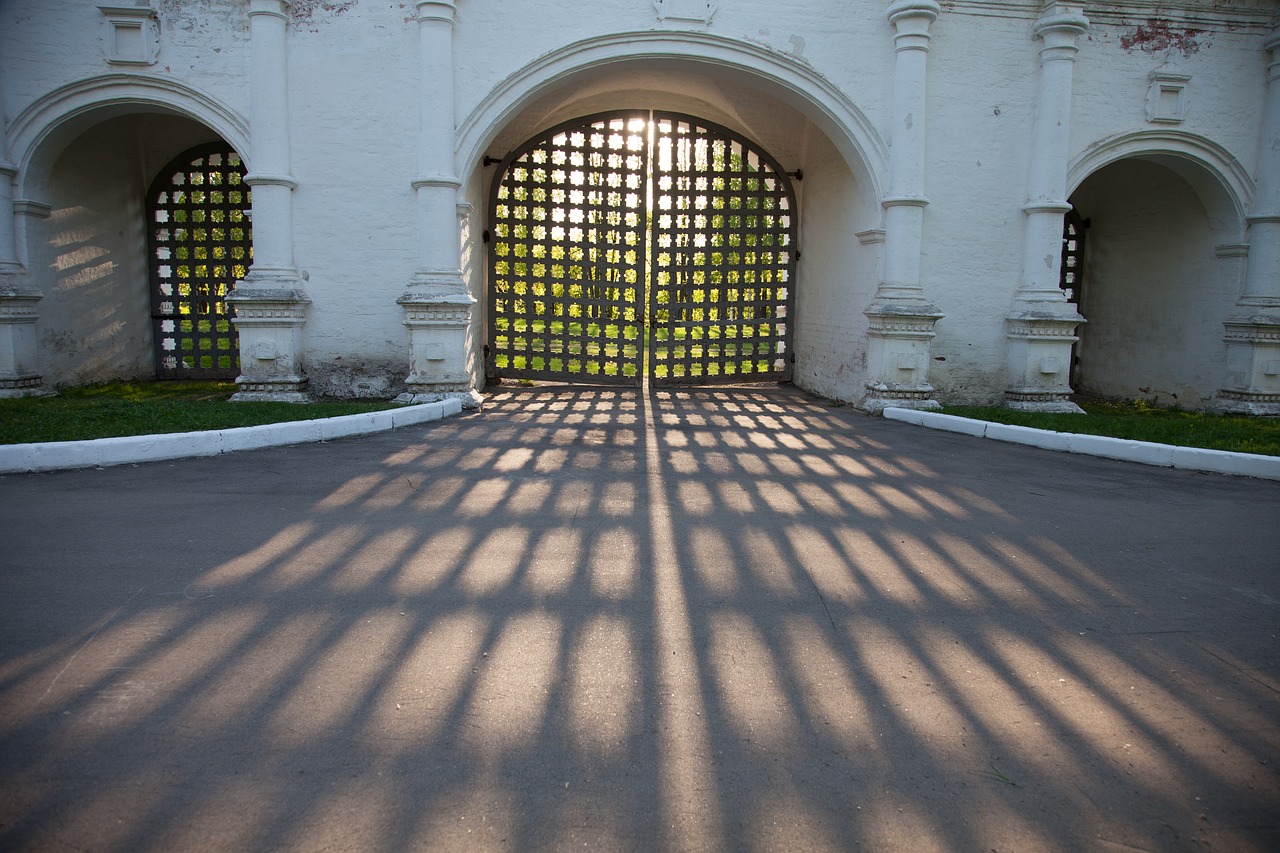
(200, 243)
(641, 242)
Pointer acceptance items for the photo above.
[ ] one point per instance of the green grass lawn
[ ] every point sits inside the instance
(146, 408)
(143, 408)
(1144, 422)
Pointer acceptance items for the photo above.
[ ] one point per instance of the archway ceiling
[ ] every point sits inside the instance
(774, 125)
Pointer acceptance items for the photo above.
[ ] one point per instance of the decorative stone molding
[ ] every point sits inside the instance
(132, 35)
(1252, 385)
(898, 341)
(1167, 98)
(685, 12)
(34, 209)
(870, 236)
(19, 374)
(1040, 361)
(438, 326)
(269, 321)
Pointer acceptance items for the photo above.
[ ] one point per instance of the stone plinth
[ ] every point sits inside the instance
(1040, 360)
(898, 357)
(269, 321)
(438, 326)
(19, 374)
(1253, 366)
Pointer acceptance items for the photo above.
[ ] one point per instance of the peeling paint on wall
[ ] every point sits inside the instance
(1156, 36)
(310, 13)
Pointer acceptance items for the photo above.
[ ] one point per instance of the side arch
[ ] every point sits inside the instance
(39, 133)
(853, 135)
(1222, 183)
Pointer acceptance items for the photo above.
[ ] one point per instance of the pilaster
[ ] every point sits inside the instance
(437, 306)
(19, 368)
(270, 303)
(901, 319)
(1252, 337)
(1041, 325)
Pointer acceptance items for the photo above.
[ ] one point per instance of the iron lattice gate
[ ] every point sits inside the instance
(641, 240)
(200, 245)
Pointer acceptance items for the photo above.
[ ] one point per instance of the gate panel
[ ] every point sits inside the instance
(200, 245)
(723, 257)
(568, 253)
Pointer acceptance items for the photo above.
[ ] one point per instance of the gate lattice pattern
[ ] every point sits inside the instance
(641, 232)
(201, 244)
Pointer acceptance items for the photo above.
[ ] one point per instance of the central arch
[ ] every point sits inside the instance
(641, 242)
(771, 98)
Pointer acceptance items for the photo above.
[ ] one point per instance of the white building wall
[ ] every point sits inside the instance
(354, 122)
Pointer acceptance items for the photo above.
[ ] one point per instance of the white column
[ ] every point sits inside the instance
(901, 320)
(19, 372)
(1042, 324)
(270, 303)
(438, 309)
(1253, 335)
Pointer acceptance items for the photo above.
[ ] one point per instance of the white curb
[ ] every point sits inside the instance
(1143, 452)
(101, 452)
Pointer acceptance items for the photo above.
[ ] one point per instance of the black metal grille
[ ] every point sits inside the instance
(1072, 275)
(722, 257)
(592, 263)
(567, 254)
(201, 243)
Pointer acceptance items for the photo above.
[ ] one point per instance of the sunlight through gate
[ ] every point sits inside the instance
(641, 241)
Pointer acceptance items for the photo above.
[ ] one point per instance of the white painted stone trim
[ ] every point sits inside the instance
(124, 450)
(1142, 452)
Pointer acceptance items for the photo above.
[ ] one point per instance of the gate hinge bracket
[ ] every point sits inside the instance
(798, 174)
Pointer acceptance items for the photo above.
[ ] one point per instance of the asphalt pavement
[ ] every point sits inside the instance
(613, 619)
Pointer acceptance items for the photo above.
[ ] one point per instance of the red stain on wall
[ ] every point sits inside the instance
(1156, 35)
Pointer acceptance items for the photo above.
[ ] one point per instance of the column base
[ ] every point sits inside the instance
(280, 389)
(881, 396)
(471, 399)
(438, 320)
(898, 357)
(18, 347)
(1048, 400)
(1040, 360)
(269, 321)
(12, 387)
(1244, 403)
(1253, 366)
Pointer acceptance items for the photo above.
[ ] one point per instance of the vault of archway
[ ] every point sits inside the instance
(774, 125)
(1153, 288)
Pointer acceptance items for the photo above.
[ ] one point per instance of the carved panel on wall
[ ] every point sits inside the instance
(685, 11)
(131, 35)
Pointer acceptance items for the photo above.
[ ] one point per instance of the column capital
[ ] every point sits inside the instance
(274, 8)
(437, 10)
(900, 10)
(911, 20)
(1272, 46)
(1059, 27)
